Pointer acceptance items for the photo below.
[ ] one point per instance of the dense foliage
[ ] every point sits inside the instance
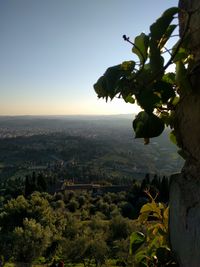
(79, 227)
(151, 248)
(149, 82)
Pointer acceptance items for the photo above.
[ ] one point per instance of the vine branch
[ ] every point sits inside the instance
(127, 39)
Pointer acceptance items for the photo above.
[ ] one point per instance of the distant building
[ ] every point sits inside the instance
(96, 188)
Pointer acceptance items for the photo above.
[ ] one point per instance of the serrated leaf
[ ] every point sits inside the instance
(137, 239)
(141, 46)
(159, 229)
(143, 217)
(147, 125)
(149, 207)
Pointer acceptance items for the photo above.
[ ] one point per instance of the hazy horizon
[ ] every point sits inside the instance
(71, 115)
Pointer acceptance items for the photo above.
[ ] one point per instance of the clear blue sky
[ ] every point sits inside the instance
(53, 51)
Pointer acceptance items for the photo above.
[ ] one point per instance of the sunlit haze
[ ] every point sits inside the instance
(53, 51)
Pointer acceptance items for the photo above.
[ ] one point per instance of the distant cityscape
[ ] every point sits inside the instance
(102, 147)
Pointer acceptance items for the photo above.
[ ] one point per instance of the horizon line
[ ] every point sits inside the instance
(62, 115)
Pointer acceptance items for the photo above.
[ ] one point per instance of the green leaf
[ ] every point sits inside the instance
(163, 255)
(156, 60)
(166, 214)
(126, 88)
(100, 87)
(147, 125)
(160, 32)
(182, 54)
(159, 28)
(137, 239)
(169, 78)
(172, 137)
(175, 100)
(143, 76)
(106, 86)
(130, 99)
(128, 65)
(148, 100)
(143, 217)
(165, 90)
(112, 76)
(141, 258)
(149, 207)
(167, 35)
(141, 46)
(168, 118)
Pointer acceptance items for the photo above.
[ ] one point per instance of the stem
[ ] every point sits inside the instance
(136, 47)
(167, 51)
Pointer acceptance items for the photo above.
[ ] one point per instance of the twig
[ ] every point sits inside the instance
(136, 47)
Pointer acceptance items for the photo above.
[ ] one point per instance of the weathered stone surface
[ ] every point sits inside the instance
(185, 219)
(184, 222)
(193, 7)
(187, 123)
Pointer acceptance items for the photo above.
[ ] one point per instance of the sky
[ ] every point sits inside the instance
(53, 51)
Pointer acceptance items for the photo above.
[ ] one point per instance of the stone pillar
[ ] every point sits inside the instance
(184, 220)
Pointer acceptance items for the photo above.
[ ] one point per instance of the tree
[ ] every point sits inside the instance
(20, 217)
(30, 241)
(119, 228)
(74, 250)
(72, 205)
(128, 210)
(35, 183)
(168, 99)
(96, 251)
(12, 215)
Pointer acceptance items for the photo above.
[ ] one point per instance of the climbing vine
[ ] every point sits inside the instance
(147, 81)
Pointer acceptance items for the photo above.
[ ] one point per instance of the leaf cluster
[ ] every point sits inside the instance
(147, 81)
(151, 248)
